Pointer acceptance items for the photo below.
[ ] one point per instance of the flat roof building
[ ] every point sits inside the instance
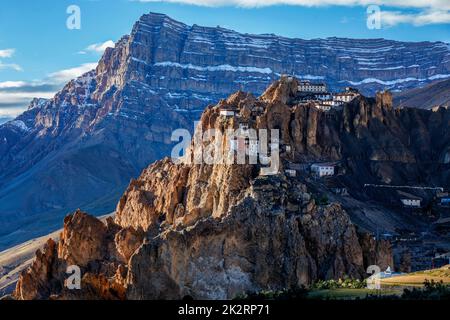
(410, 200)
(307, 86)
(323, 169)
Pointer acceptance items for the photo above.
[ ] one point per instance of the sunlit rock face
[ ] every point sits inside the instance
(214, 231)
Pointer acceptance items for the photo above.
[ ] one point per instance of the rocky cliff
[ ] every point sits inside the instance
(81, 148)
(217, 230)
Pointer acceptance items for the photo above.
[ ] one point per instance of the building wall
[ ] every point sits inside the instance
(411, 202)
(322, 171)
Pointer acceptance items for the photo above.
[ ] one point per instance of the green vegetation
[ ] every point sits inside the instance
(431, 291)
(339, 284)
(351, 289)
(299, 293)
(443, 272)
(420, 277)
(354, 294)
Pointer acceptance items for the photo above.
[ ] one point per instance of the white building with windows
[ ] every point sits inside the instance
(323, 107)
(290, 172)
(324, 96)
(323, 169)
(345, 96)
(307, 86)
(332, 103)
(409, 200)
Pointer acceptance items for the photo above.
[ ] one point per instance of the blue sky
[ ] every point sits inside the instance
(38, 53)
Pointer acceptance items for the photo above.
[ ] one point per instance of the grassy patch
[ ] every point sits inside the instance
(351, 294)
(419, 278)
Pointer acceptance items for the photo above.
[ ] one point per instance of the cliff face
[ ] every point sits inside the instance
(214, 231)
(106, 126)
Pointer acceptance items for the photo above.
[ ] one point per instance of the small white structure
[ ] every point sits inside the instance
(323, 107)
(332, 103)
(307, 86)
(345, 96)
(324, 96)
(409, 200)
(227, 113)
(322, 169)
(291, 173)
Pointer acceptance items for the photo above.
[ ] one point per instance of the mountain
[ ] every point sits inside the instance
(427, 97)
(81, 148)
(214, 231)
(5, 119)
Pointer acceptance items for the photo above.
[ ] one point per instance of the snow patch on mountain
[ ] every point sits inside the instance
(20, 125)
(396, 81)
(221, 68)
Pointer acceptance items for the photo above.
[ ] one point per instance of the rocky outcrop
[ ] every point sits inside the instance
(36, 282)
(86, 243)
(105, 127)
(214, 231)
(377, 253)
(257, 244)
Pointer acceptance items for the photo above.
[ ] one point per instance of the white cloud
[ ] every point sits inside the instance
(12, 84)
(16, 95)
(7, 53)
(10, 112)
(13, 66)
(436, 4)
(98, 47)
(66, 75)
(392, 18)
(429, 11)
(23, 97)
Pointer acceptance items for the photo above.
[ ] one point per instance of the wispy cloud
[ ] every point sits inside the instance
(98, 48)
(63, 76)
(16, 95)
(437, 4)
(392, 18)
(13, 66)
(8, 53)
(429, 11)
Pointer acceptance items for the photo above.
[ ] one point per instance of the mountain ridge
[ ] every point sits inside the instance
(432, 95)
(81, 148)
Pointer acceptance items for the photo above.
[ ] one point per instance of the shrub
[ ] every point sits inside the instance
(338, 284)
(431, 291)
(299, 293)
